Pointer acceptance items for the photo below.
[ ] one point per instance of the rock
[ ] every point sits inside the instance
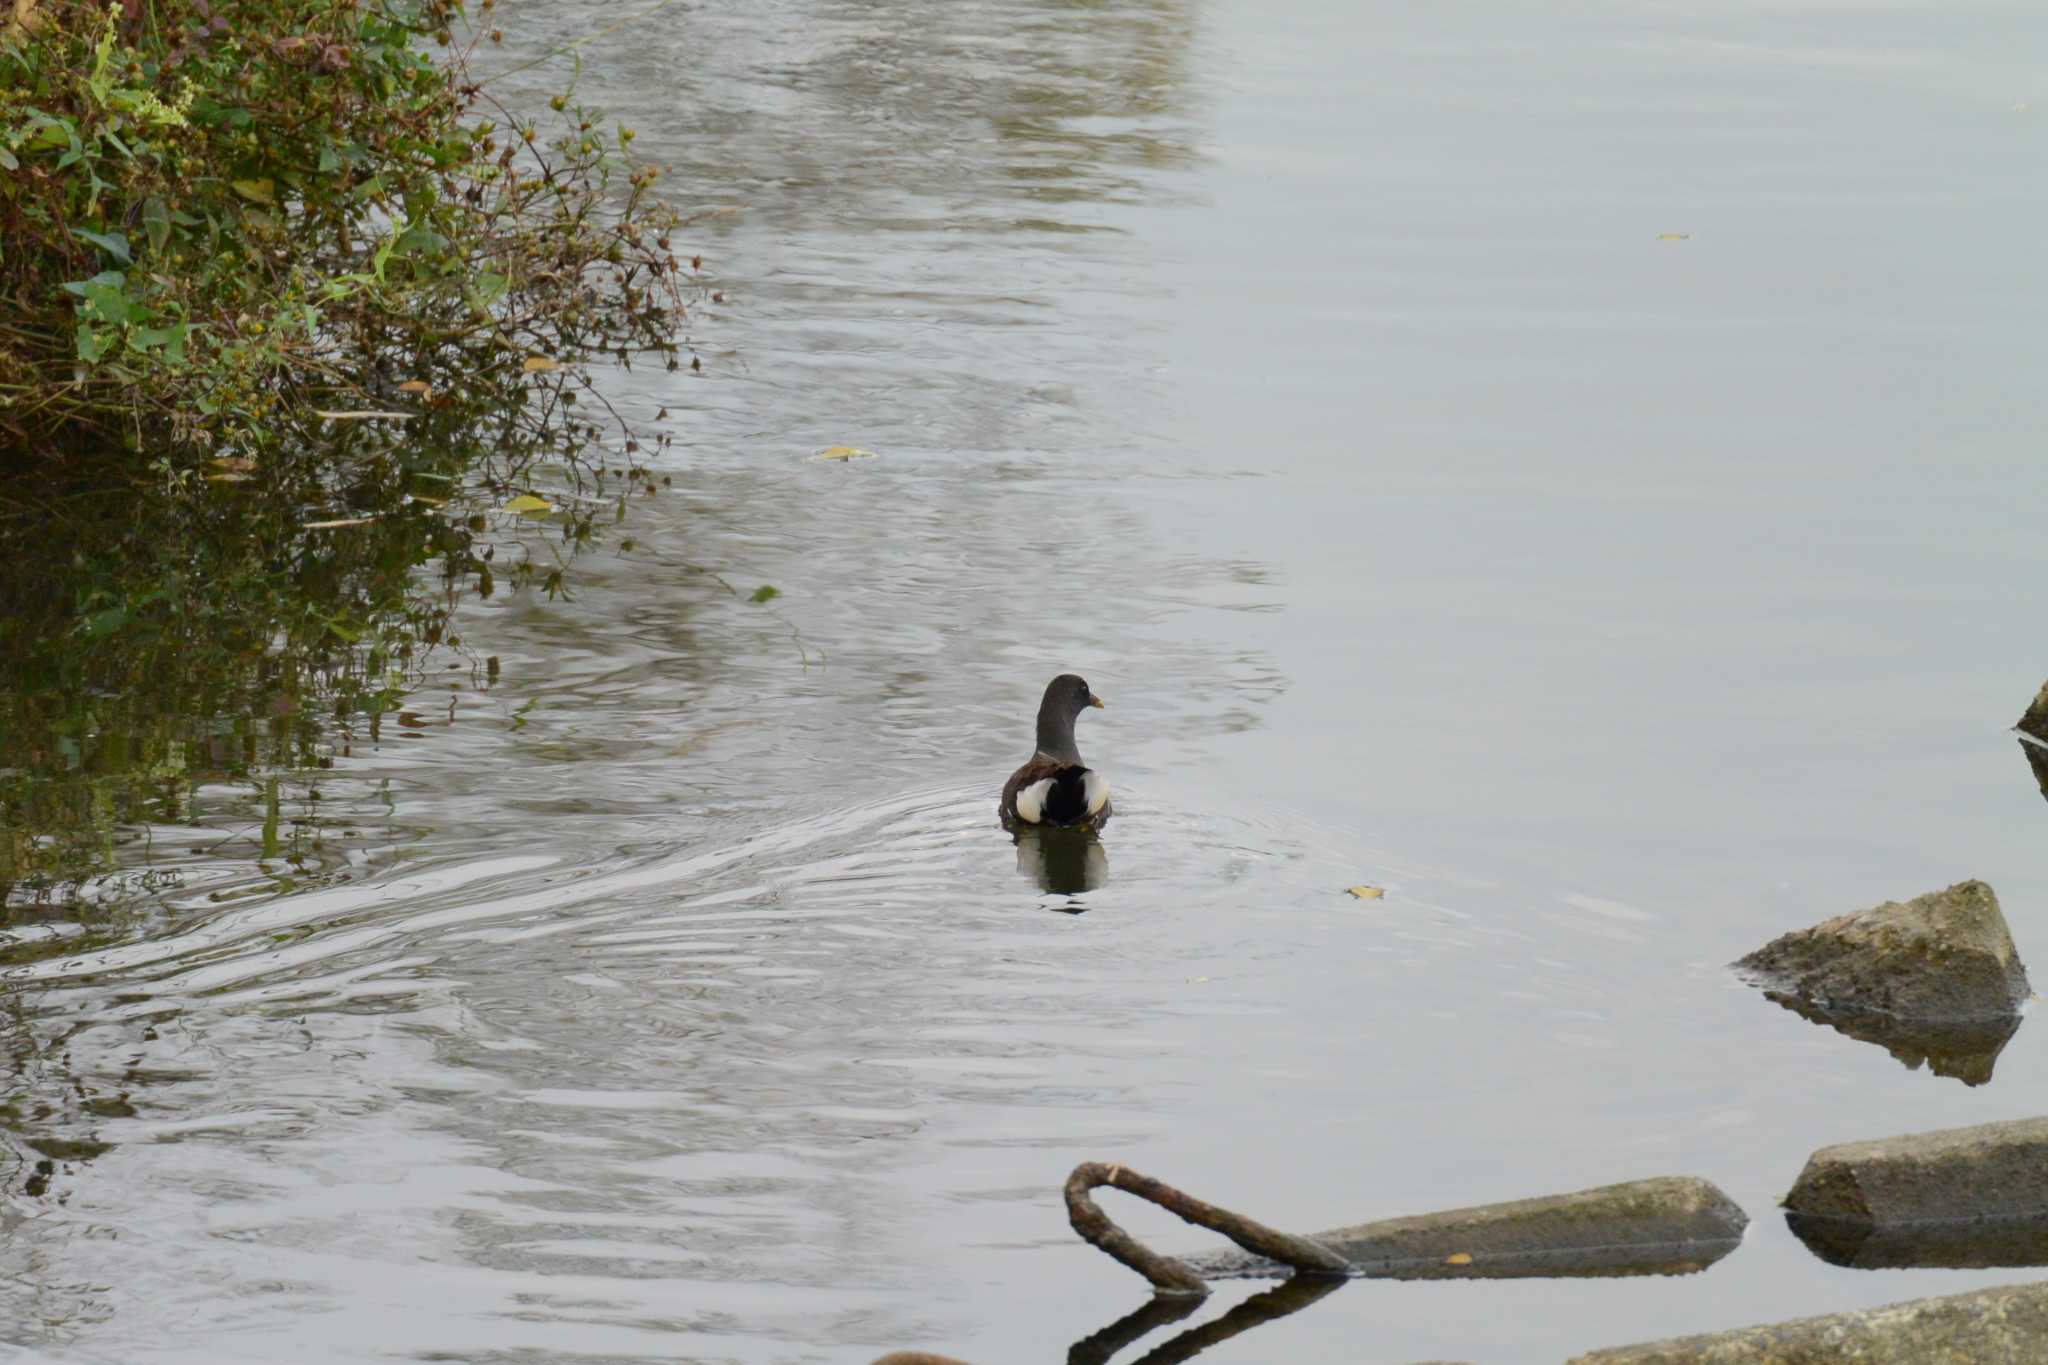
(1950, 1244)
(2009, 1324)
(2035, 720)
(1961, 1049)
(1992, 1170)
(1946, 956)
(2036, 754)
(1672, 1225)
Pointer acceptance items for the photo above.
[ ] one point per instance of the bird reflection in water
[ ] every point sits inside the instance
(1065, 862)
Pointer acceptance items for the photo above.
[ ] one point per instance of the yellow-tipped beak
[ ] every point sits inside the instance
(1094, 701)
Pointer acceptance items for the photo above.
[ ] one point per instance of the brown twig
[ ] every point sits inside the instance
(1169, 1276)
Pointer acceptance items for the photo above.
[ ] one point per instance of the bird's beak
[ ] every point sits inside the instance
(1094, 701)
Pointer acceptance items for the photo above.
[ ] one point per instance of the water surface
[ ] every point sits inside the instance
(1578, 472)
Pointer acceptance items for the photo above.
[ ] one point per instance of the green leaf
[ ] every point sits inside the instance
(46, 132)
(421, 240)
(527, 502)
(156, 221)
(765, 593)
(106, 622)
(259, 191)
(487, 291)
(109, 303)
(7, 161)
(91, 346)
(113, 243)
(172, 339)
(330, 160)
(84, 287)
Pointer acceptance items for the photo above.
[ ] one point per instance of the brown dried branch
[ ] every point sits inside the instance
(1169, 1276)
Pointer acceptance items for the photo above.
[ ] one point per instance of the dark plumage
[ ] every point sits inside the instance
(1055, 787)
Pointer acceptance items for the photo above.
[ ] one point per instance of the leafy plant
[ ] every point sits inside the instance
(293, 313)
(222, 219)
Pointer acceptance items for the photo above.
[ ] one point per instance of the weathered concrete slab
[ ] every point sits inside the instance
(1951, 1244)
(2006, 1326)
(1961, 1049)
(1945, 956)
(1672, 1225)
(1991, 1170)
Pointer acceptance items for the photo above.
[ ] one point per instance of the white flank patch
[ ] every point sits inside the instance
(1095, 790)
(1031, 800)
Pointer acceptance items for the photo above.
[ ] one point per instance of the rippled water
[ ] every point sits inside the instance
(1577, 471)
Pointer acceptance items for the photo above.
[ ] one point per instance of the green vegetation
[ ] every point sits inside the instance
(299, 323)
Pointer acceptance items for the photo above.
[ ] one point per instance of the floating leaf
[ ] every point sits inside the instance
(1460, 1258)
(418, 386)
(765, 593)
(536, 363)
(527, 502)
(844, 453)
(1673, 236)
(1367, 893)
(259, 191)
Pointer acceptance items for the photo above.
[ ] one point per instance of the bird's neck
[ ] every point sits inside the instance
(1056, 735)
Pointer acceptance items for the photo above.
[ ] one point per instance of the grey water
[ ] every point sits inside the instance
(1578, 468)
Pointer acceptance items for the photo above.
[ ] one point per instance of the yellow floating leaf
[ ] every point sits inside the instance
(1461, 1258)
(537, 363)
(527, 502)
(261, 191)
(844, 453)
(1367, 893)
(1673, 236)
(341, 521)
(416, 386)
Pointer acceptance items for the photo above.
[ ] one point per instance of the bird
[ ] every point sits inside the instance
(1054, 787)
